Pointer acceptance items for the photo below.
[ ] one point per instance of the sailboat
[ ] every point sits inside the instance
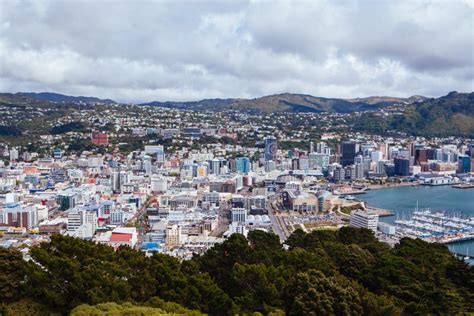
(466, 258)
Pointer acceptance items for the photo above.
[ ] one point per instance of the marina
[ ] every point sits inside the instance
(436, 227)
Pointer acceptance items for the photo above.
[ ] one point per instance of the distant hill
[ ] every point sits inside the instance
(61, 98)
(205, 104)
(17, 99)
(289, 102)
(377, 99)
(450, 115)
(284, 102)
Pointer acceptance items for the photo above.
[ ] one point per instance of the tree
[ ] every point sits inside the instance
(12, 275)
(312, 293)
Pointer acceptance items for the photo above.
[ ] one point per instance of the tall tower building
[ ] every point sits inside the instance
(271, 148)
(348, 151)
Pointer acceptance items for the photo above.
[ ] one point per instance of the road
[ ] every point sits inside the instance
(222, 219)
(278, 227)
(139, 220)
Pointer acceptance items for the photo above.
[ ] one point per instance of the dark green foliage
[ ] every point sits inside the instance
(127, 309)
(9, 131)
(68, 127)
(79, 145)
(345, 272)
(312, 293)
(349, 235)
(12, 274)
(371, 123)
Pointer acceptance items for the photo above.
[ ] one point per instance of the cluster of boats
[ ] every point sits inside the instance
(437, 226)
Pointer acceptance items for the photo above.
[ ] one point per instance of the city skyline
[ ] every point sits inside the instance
(237, 157)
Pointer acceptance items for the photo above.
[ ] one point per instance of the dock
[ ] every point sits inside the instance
(352, 192)
(464, 186)
(379, 211)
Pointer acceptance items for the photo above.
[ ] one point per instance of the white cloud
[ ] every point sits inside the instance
(142, 51)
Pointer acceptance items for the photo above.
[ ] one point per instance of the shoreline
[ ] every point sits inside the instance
(391, 186)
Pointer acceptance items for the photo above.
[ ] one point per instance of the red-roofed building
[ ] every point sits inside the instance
(124, 236)
(99, 138)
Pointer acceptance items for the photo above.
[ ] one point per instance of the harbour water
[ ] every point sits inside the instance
(403, 200)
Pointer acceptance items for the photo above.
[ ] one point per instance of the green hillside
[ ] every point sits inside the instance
(450, 115)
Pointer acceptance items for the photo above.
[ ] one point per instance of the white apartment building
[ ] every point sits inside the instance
(362, 219)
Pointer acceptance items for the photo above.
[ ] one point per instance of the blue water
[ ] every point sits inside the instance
(402, 201)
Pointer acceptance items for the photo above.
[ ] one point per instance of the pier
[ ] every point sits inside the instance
(464, 186)
(379, 211)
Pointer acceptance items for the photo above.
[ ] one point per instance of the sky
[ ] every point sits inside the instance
(139, 51)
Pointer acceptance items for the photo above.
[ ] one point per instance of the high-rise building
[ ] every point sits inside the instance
(322, 148)
(348, 152)
(173, 235)
(19, 216)
(412, 149)
(160, 155)
(318, 160)
(303, 163)
(242, 164)
(359, 171)
(421, 155)
(239, 215)
(215, 166)
(402, 167)
(464, 163)
(350, 172)
(339, 174)
(376, 156)
(76, 218)
(380, 167)
(271, 147)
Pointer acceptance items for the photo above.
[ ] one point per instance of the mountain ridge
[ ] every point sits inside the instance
(290, 102)
(282, 102)
(63, 98)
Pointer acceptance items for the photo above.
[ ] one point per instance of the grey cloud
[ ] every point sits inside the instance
(170, 50)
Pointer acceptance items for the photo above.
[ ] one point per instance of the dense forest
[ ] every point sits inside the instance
(347, 272)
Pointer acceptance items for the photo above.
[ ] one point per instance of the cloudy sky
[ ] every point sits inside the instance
(134, 51)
